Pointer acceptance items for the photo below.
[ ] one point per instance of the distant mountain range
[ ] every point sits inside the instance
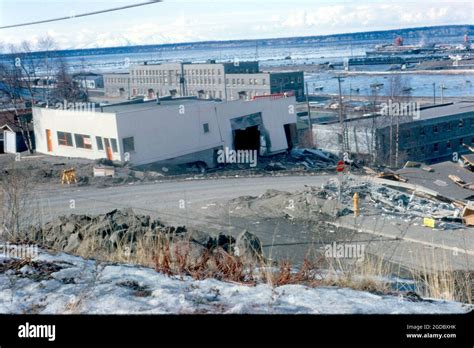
(411, 35)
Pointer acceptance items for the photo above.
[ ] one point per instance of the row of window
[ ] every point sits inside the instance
(202, 72)
(116, 79)
(203, 81)
(447, 126)
(242, 81)
(453, 144)
(138, 72)
(82, 141)
(187, 72)
(163, 79)
(436, 147)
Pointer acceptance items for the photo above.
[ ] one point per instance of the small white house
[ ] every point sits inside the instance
(182, 130)
(11, 138)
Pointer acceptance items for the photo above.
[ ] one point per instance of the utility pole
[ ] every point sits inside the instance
(442, 92)
(341, 118)
(397, 142)
(310, 122)
(373, 146)
(434, 92)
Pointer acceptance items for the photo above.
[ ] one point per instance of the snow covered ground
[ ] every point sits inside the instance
(85, 286)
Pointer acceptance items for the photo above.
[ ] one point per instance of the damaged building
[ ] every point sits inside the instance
(181, 130)
(432, 135)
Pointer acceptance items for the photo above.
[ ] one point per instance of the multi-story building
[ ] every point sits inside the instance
(117, 85)
(437, 133)
(211, 80)
(264, 83)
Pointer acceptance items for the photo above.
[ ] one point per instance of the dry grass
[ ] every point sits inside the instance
(367, 274)
(437, 279)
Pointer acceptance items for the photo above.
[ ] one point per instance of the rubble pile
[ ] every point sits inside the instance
(321, 203)
(299, 159)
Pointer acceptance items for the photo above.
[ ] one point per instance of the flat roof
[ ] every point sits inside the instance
(426, 113)
(446, 110)
(439, 181)
(137, 106)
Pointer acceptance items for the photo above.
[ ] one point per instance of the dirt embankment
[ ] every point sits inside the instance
(122, 235)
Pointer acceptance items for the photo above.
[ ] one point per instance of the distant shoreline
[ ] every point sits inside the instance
(415, 33)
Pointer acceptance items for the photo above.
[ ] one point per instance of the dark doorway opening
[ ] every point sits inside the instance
(291, 135)
(247, 139)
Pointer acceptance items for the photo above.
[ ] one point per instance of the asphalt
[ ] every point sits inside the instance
(201, 204)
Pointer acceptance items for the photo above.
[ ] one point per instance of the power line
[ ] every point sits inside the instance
(80, 15)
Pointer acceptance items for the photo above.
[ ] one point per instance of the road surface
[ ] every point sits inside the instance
(200, 204)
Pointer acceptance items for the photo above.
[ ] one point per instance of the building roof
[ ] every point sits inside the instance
(426, 113)
(438, 179)
(137, 106)
(446, 109)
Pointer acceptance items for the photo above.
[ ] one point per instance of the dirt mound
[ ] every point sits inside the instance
(126, 233)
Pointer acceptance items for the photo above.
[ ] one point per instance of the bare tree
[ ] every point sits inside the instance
(18, 77)
(16, 191)
(66, 88)
(24, 69)
(12, 89)
(47, 45)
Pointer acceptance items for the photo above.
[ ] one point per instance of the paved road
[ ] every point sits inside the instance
(172, 201)
(198, 203)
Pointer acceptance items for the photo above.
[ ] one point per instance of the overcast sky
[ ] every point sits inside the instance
(176, 21)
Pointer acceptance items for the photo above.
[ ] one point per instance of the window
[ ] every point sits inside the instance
(205, 127)
(422, 131)
(449, 145)
(435, 147)
(128, 144)
(435, 129)
(83, 141)
(65, 139)
(100, 144)
(113, 142)
(461, 123)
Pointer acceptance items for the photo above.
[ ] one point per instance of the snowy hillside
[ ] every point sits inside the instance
(66, 284)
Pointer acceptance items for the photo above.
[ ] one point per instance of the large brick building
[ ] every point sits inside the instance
(211, 80)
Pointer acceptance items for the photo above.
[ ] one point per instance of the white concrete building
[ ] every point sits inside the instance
(180, 130)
